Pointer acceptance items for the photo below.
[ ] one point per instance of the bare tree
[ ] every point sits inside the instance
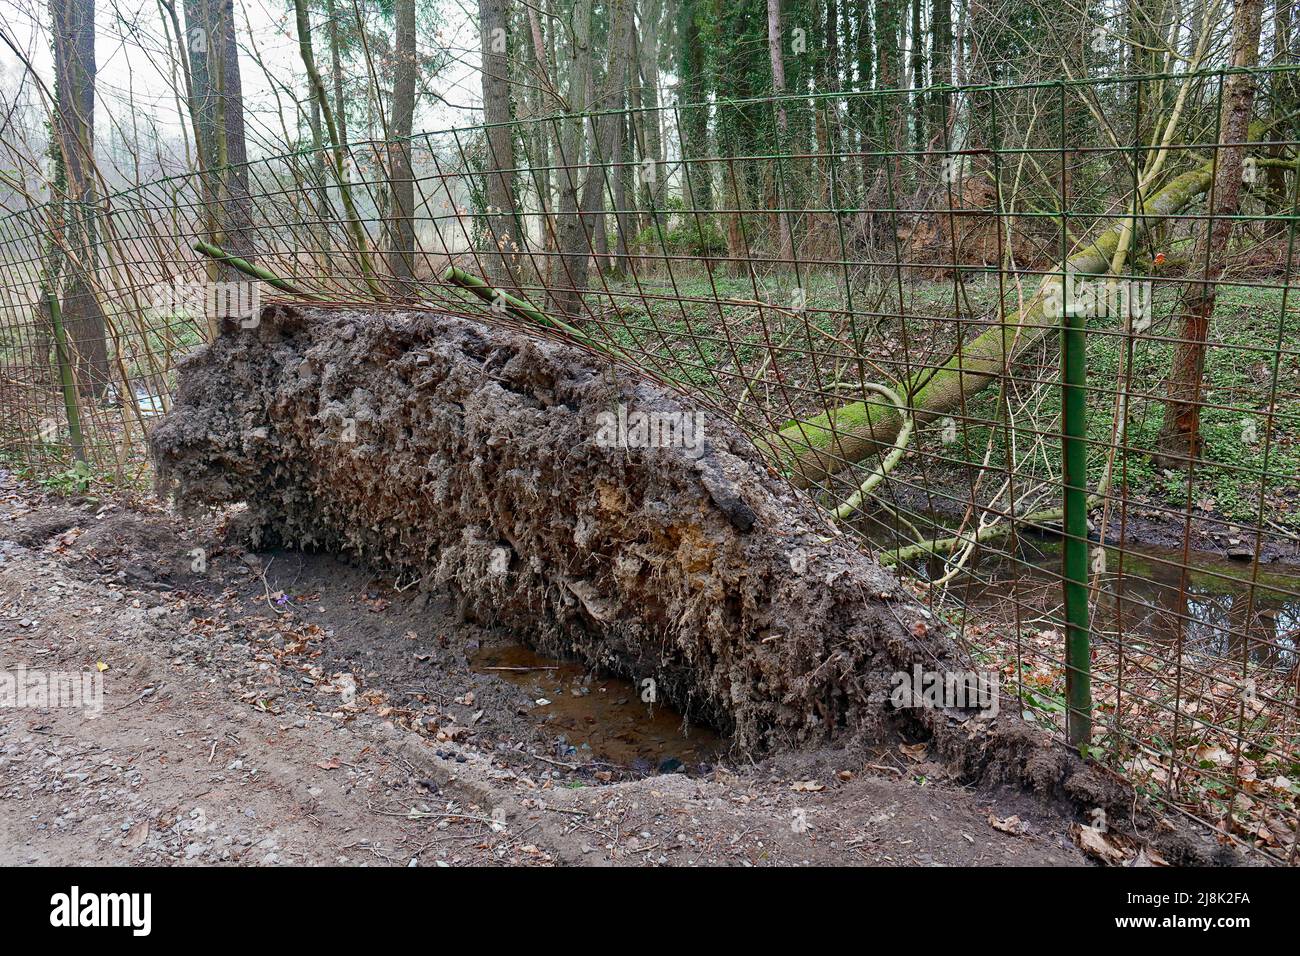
(401, 255)
(74, 129)
(504, 237)
(302, 22)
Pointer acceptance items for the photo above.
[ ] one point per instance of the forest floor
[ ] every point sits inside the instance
(288, 708)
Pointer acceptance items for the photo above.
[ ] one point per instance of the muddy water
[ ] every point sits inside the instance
(1145, 595)
(601, 718)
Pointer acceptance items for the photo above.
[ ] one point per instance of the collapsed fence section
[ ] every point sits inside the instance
(874, 294)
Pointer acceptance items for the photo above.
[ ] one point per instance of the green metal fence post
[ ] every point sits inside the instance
(66, 379)
(1074, 423)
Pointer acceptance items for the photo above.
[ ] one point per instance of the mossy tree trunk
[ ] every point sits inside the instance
(826, 444)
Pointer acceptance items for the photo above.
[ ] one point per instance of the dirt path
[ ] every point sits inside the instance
(291, 709)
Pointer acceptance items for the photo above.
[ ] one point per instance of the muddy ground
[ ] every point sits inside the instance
(287, 708)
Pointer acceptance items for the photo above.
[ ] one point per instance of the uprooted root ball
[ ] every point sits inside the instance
(505, 468)
(478, 458)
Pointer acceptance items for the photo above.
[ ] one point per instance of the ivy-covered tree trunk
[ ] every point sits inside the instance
(889, 113)
(860, 108)
(693, 116)
(940, 61)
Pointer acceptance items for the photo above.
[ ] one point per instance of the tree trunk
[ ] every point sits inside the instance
(648, 121)
(74, 127)
(784, 233)
(940, 63)
(232, 155)
(827, 443)
(889, 115)
(1180, 440)
(217, 108)
(401, 254)
(504, 236)
(574, 242)
(693, 112)
(623, 214)
(919, 134)
(600, 174)
(540, 161)
(1283, 102)
(861, 105)
(336, 73)
(359, 238)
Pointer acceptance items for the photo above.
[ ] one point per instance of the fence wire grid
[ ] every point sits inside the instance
(898, 295)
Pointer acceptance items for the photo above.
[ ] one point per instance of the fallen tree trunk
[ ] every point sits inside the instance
(822, 446)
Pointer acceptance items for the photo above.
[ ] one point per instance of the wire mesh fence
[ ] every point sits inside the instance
(938, 312)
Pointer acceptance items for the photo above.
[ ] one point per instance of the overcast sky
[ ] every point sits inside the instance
(134, 84)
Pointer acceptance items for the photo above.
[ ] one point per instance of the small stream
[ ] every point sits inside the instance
(1146, 596)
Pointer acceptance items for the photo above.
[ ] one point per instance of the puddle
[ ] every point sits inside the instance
(601, 718)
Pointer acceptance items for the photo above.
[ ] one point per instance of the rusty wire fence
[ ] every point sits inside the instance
(1037, 346)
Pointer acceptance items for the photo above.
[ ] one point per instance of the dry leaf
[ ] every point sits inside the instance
(1149, 857)
(913, 751)
(1215, 755)
(808, 786)
(1094, 843)
(139, 833)
(1012, 824)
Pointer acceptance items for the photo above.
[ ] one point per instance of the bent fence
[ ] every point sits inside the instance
(1035, 345)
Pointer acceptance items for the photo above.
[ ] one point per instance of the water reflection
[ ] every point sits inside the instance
(1145, 595)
